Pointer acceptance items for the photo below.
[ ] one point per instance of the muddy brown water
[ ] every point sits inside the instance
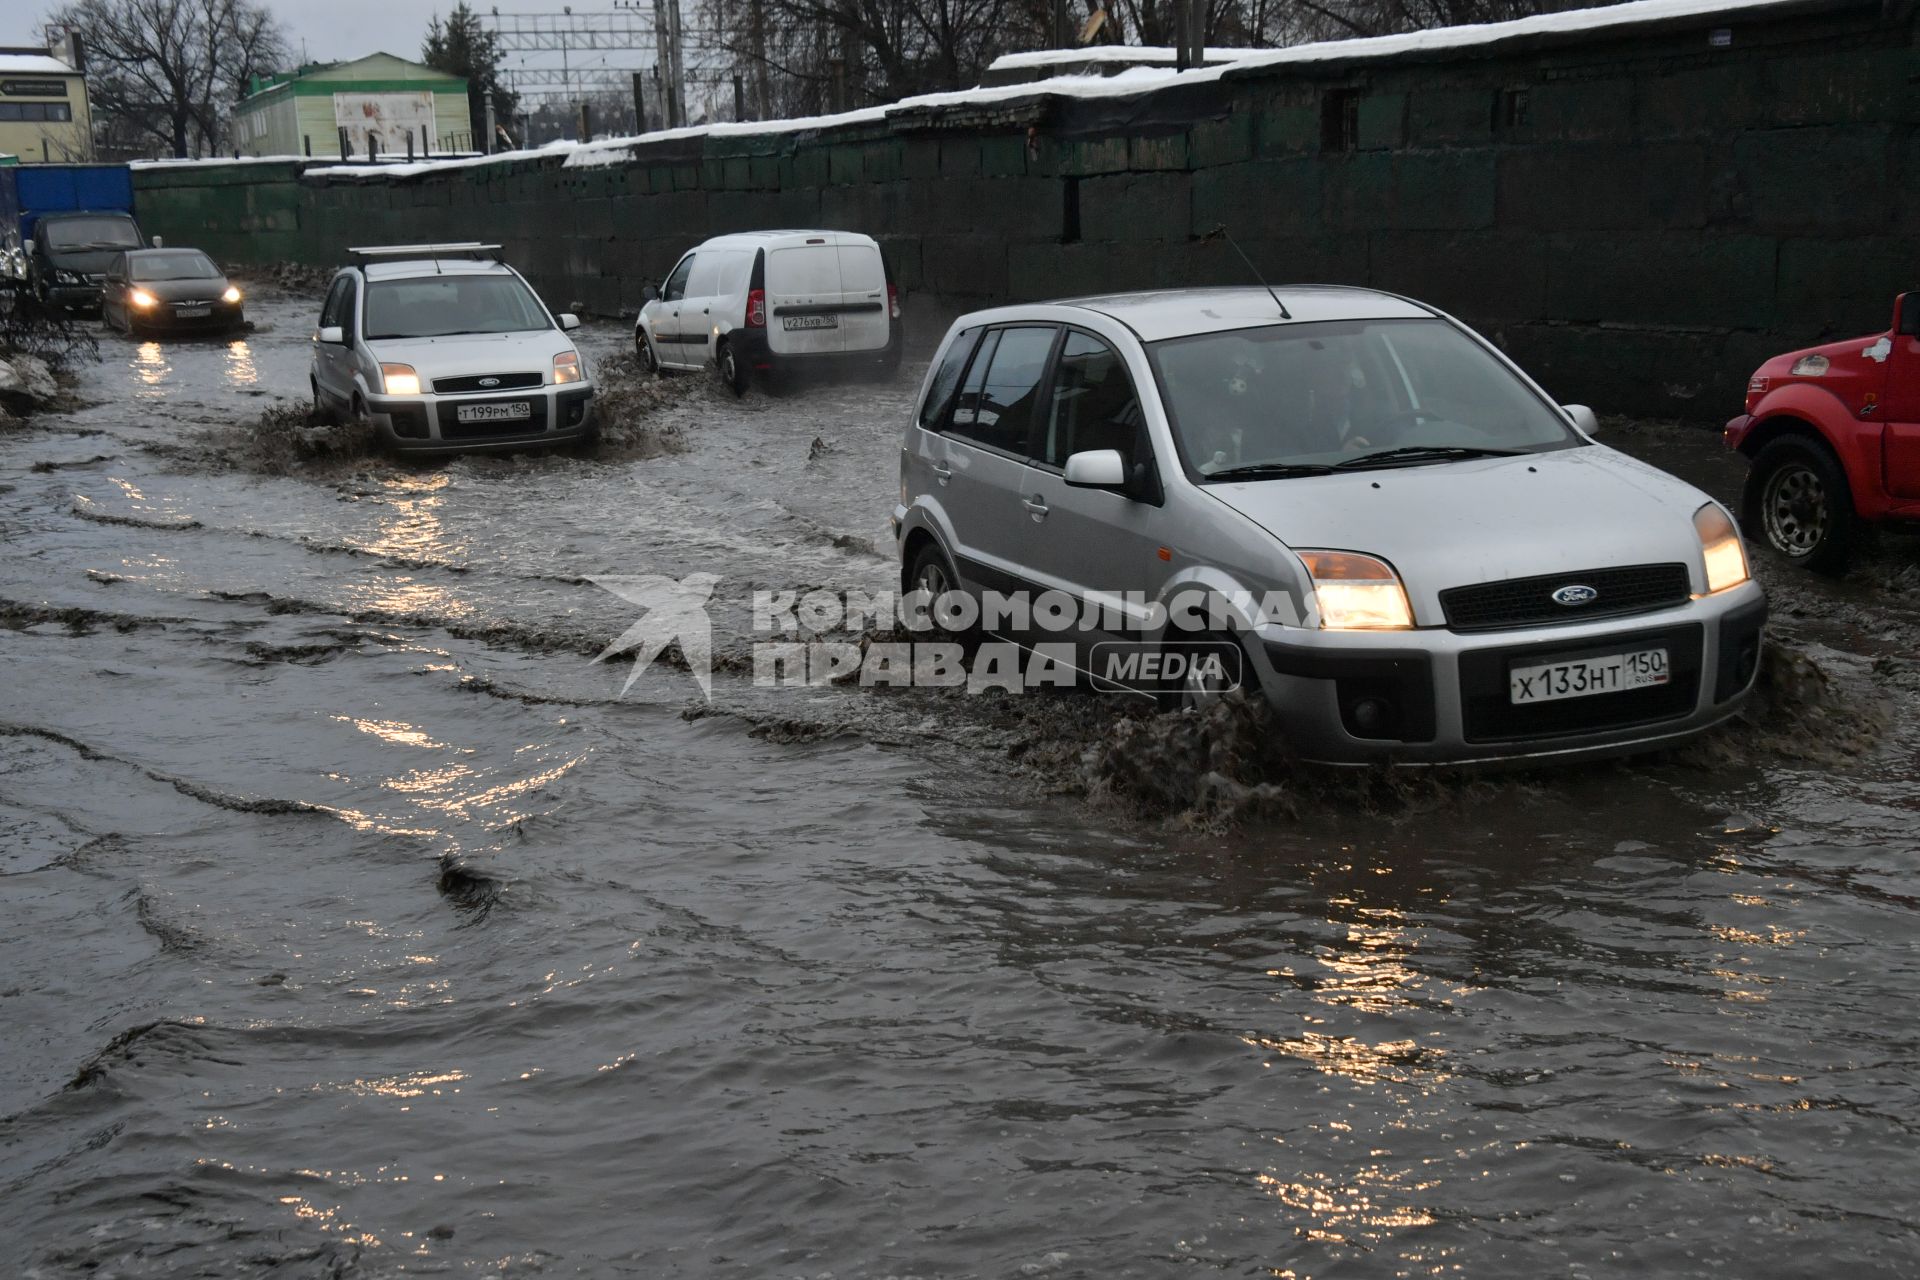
(353, 924)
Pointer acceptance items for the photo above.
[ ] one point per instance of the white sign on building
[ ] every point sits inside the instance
(389, 119)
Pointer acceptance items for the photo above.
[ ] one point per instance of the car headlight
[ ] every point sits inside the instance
(231, 295)
(69, 277)
(566, 367)
(401, 380)
(140, 298)
(1720, 548)
(1356, 592)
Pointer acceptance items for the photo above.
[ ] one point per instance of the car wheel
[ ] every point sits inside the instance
(362, 418)
(322, 412)
(1797, 500)
(1204, 684)
(931, 573)
(733, 374)
(643, 352)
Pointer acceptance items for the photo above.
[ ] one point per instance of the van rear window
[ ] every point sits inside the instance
(808, 269)
(860, 269)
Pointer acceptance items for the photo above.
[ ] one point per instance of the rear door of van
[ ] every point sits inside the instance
(863, 289)
(804, 299)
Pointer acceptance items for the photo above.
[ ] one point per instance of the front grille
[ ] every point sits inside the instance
(499, 382)
(1526, 602)
(1486, 696)
(451, 428)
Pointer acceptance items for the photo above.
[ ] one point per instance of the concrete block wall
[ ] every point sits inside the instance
(1639, 215)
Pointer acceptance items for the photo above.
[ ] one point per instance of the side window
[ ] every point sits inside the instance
(997, 405)
(946, 379)
(1093, 404)
(676, 287)
(335, 305)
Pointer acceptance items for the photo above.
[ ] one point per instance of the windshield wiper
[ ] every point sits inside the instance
(1271, 471)
(1421, 453)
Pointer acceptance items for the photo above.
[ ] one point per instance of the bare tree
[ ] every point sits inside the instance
(800, 57)
(171, 70)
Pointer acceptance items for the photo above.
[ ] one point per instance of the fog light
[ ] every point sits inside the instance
(1371, 715)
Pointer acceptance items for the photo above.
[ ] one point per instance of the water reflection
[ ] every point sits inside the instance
(152, 368)
(240, 368)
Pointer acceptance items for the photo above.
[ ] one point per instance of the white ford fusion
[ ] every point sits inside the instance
(1461, 572)
(441, 348)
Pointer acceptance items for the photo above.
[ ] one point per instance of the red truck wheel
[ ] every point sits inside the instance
(1798, 502)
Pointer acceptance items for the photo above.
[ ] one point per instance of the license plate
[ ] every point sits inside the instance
(810, 322)
(494, 412)
(189, 313)
(1585, 677)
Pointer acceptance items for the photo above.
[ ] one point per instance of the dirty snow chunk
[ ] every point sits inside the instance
(28, 377)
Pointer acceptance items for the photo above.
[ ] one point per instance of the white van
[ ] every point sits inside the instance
(764, 302)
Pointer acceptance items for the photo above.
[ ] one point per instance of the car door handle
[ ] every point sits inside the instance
(942, 474)
(1036, 506)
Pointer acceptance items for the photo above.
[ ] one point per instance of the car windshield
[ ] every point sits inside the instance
(1308, 397)
(436, 306)
(91, 233)
(180, 264)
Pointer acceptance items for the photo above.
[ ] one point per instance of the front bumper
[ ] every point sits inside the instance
(1445, 693)
(165, 317)
(430, 423)
(74, 297)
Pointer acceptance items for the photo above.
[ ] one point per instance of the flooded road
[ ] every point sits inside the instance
(354, 924)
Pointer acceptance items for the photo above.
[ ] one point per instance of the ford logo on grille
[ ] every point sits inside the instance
(489, 382)
(1575, 593)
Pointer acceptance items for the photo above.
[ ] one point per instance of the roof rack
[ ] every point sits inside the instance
(458, 249)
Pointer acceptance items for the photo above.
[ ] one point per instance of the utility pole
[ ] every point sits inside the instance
(666, 27)
(640, 102)
(487, 98)
(757, 33)
(679, 67)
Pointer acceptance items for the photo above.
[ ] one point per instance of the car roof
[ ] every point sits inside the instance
(413, 268)
(773, 239)
(1173, 313)
(171, 248)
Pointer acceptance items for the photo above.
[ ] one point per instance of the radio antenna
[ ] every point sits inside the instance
(1221, 230)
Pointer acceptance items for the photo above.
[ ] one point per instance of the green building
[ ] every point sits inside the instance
(379, 99)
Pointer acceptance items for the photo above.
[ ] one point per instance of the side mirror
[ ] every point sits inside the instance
(649, 294)
(332, 333)
(26, 247)
(568, 320)
(1097, 469)
(1906, 315)
(158, 243)
(1583, 418)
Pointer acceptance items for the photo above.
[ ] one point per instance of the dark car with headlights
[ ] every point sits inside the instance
(148, 290)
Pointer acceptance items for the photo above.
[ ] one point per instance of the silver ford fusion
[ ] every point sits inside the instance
(441, 348)
(1393, 533)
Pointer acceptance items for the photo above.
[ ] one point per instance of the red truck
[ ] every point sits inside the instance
(1833, 433)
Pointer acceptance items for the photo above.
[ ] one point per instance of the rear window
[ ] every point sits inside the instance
(808, 269)
(995, 408)
(860, 269)
(933, 412)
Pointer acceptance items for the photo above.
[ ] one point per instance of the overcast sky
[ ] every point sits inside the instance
(335, 30)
